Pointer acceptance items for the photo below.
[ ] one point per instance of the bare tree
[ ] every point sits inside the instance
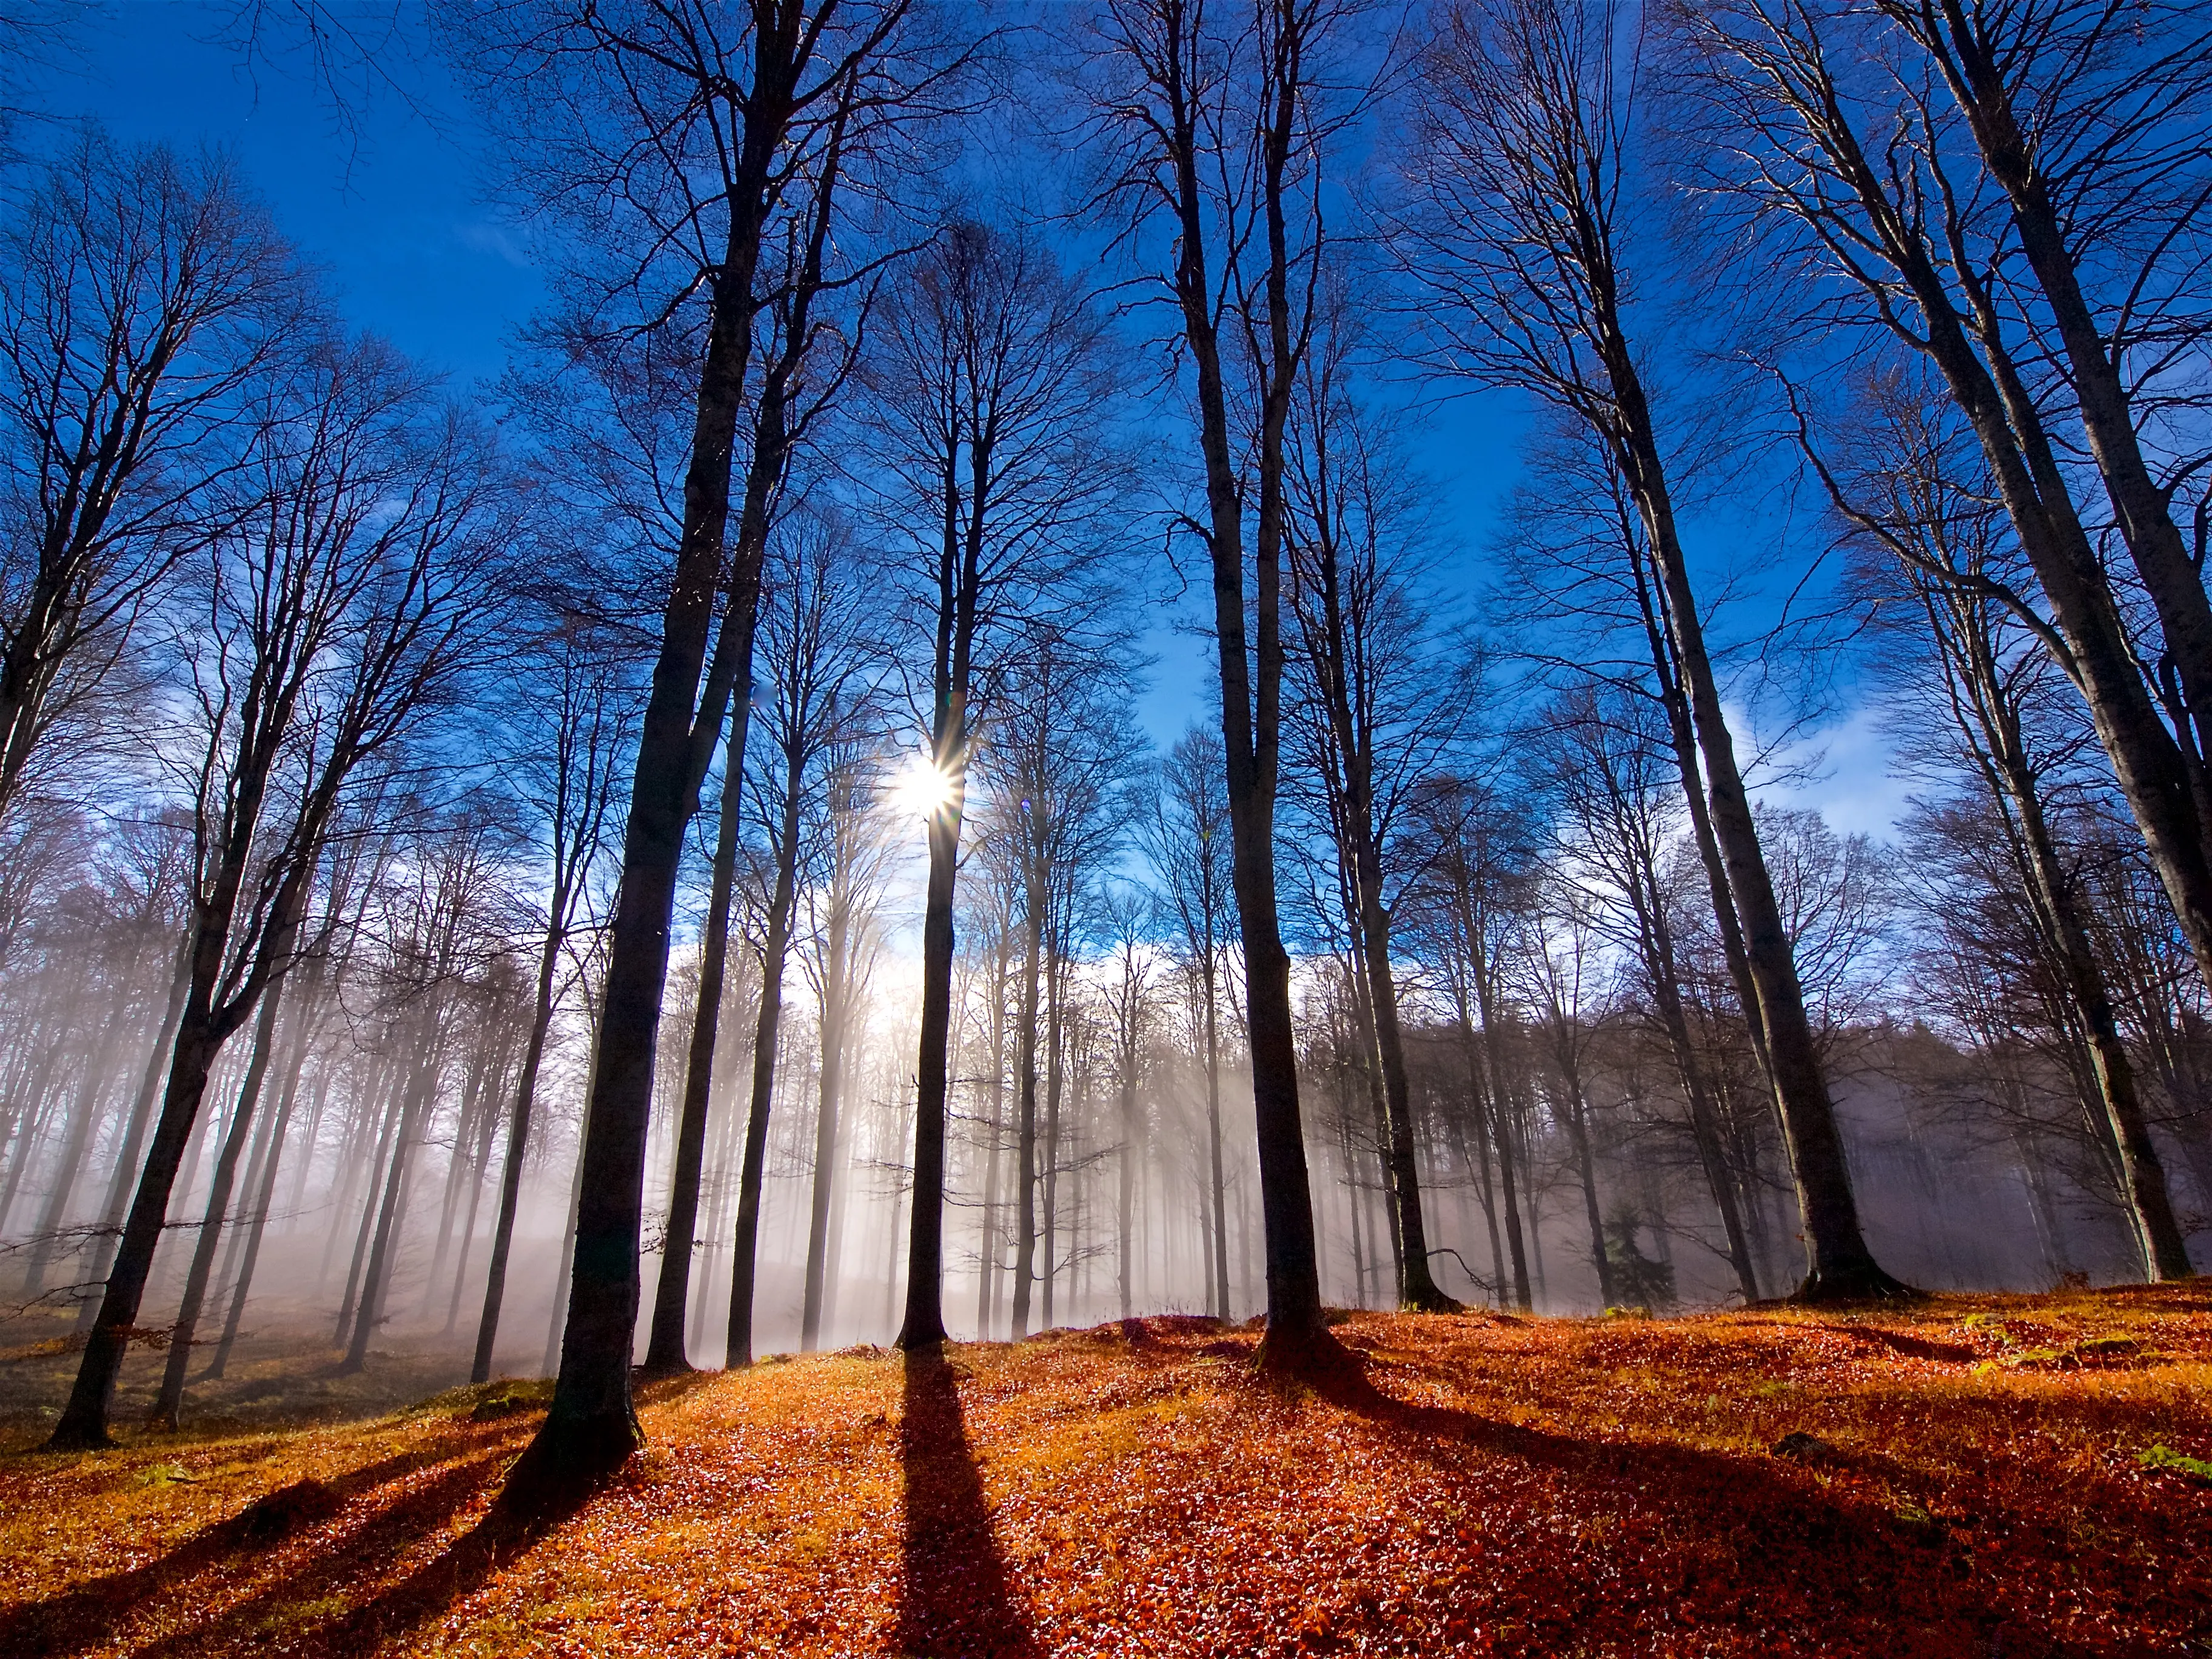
(572, 745)
(1186, 838)
(1948, 543)
(1217, 134)
(851, 859)
(1524, 165)
(1389, 696)
(987, 388)
(1844, 155)
(701, 123)
(819, 654)
(1614, 823)
(338, 613)
(142, 293)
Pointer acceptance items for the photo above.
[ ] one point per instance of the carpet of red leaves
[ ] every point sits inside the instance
(1968, 1476)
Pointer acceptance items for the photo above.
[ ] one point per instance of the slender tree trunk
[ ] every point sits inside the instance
(479, 1162)
(2158, 1235)
(1491, 1098)
(1840, 1265)
(665, 1352)
(303, 1026)
(1025, 1129)
(1213, 1132)
(39, 1104)
(1125, 1174)
(991, 1244)
(745, 1250)
(1974, 66)
(169, 1402)
(134, 1134)
(923, 1327)
(83, 1423)
(832, 1023)
(1681, 733)
(1656, 940)
(473, 1109)
(394, 1104)
(1054, 1062)
(384, 1254)
(518, 1142)
(68, 1165)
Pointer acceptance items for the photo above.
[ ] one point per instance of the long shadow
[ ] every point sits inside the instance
(455, 1572)
(1795, 1540)
(90, 1612)
(957, 1600)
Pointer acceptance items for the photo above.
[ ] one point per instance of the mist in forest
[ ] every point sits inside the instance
(654, 859)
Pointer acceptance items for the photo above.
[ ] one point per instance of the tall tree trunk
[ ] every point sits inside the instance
(1999, 749)
(472, 1110)
(383, 1256)
(39, 1103)
(1250, 658)
(591, 1427)
(1055, 1061)
(518, 1140)
(1125, 1173)
(923, 1326)
(394, 1084)
(479, 1161)
(1974, 64)
(83, 1423)
(991, 1245)
(832, 1025)
(134, 1133)
(665, 1352)
(1586, 1169)
(1025, 1108)
(1490, 1083)
(1840, 1265)
(744, 1250)
(303, 1024)
(1213, 1131)
(169, 1401)
(68, 1165)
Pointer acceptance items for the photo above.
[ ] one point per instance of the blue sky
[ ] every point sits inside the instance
(395, 211)
(397, 220)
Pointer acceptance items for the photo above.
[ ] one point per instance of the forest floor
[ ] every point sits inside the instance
(1999, 1476)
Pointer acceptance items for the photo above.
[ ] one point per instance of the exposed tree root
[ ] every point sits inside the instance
(570, 1459)
(1865, 1282)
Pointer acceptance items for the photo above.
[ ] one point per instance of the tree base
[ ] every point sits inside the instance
(570, 1459)
(1305, 1352)
(1431, 1301)
(69, 1437)
(659, 1370)
(1865, 1282)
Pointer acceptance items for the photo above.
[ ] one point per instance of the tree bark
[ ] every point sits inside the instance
(1026, 1105)
(134, 1134)
(774, 953)
(169, 1401)
(665, 1352)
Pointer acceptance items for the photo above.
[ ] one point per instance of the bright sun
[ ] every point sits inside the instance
(922, 790)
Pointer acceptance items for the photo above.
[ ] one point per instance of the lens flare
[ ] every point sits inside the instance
(923, 790)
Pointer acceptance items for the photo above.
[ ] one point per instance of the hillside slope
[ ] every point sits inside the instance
(1975, 1476)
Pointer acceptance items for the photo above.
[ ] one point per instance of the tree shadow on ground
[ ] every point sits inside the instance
(1789, 1545)
(89, 1612)
(956, 1598)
